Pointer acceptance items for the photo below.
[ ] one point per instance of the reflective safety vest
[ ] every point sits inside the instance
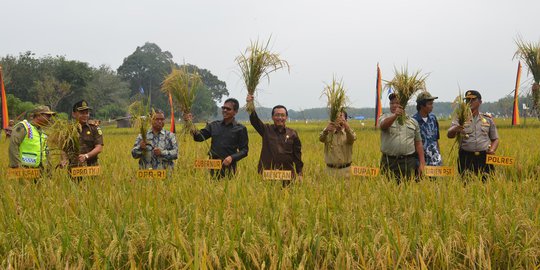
(33, 148)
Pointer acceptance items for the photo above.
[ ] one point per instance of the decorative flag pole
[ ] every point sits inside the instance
(173, 127)
(378, 104)
(515, 112)
(5, 116)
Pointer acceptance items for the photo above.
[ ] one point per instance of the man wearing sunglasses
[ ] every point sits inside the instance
(28, 143)
(229, 139)
(479, 138)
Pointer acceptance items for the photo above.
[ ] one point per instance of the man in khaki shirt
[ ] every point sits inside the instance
(401, 145)
(338, 139)
(479, 138)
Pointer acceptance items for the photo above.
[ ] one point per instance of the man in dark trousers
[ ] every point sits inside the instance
(281, 149)
(229, 139)
(479, 138)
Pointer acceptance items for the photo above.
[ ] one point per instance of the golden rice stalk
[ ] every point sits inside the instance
(336, 98)
(461, 112)
(139, 119)
(257, 62)
(405, 85)
(183, 86)
(63, 135)
(529, 52)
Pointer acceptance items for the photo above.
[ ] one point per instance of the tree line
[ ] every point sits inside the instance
(58, 82)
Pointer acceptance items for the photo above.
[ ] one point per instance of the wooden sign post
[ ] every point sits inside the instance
(85, 171)
(152, 174)
(277, 175)
(208, 164)
(498, 160)
(23, 173)
(364, 171)
(439, 171)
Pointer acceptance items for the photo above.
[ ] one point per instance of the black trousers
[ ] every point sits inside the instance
(400, 167)
(474, 162)
(228, 172)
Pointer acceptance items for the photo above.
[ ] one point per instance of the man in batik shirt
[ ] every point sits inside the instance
(429, 128)
(160, 148)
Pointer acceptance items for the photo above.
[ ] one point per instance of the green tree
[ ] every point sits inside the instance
(146, 68)
(50, 91)
(106, 88)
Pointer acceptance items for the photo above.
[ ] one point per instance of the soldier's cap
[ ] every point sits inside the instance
(81, 106)
(41, 109)
(472, 94)
(425, 96)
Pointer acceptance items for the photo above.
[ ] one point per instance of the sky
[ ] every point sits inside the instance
(461, 44)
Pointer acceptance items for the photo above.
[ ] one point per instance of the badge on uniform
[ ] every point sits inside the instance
(88, 133)
(99, 131)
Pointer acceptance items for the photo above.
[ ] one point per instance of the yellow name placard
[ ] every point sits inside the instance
(439, 171)
(498, 160)
(364, 171)
(208, 164)
(151, 174)
(23, 173)
(277, 175)
(85, 171)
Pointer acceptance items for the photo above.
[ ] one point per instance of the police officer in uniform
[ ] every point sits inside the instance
(90, 136)
(479, 138)
(28, 143)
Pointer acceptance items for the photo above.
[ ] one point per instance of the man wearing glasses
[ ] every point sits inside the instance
(28, 144)
(229, 139)
(479, 138)
(281, 146)
(160, 147)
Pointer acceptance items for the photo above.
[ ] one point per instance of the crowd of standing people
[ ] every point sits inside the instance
(406, 148)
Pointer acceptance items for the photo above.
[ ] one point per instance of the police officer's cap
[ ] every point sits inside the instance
(41, 109)
(472, 94)
(81, 106)
(425, 96)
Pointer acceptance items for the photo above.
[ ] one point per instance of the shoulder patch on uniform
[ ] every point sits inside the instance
(488, 115)
(99, 131)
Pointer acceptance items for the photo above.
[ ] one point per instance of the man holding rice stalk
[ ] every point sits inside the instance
(229, 139)
(478, 137)
(281, 146)
(90, 137)
(401, 142)
(338, 137)
(429, 128)
(28, 143)
(160, 146)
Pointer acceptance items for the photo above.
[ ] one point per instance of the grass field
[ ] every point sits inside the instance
(189, 221)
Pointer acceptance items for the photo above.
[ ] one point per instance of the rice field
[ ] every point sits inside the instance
(189, 221)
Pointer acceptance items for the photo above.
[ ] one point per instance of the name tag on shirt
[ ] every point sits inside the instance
(439, 171)
(364, 171)
(151, 174)
(85, 171)
(498, 160)
(23, 173)
(277, 175)
(208, 164)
